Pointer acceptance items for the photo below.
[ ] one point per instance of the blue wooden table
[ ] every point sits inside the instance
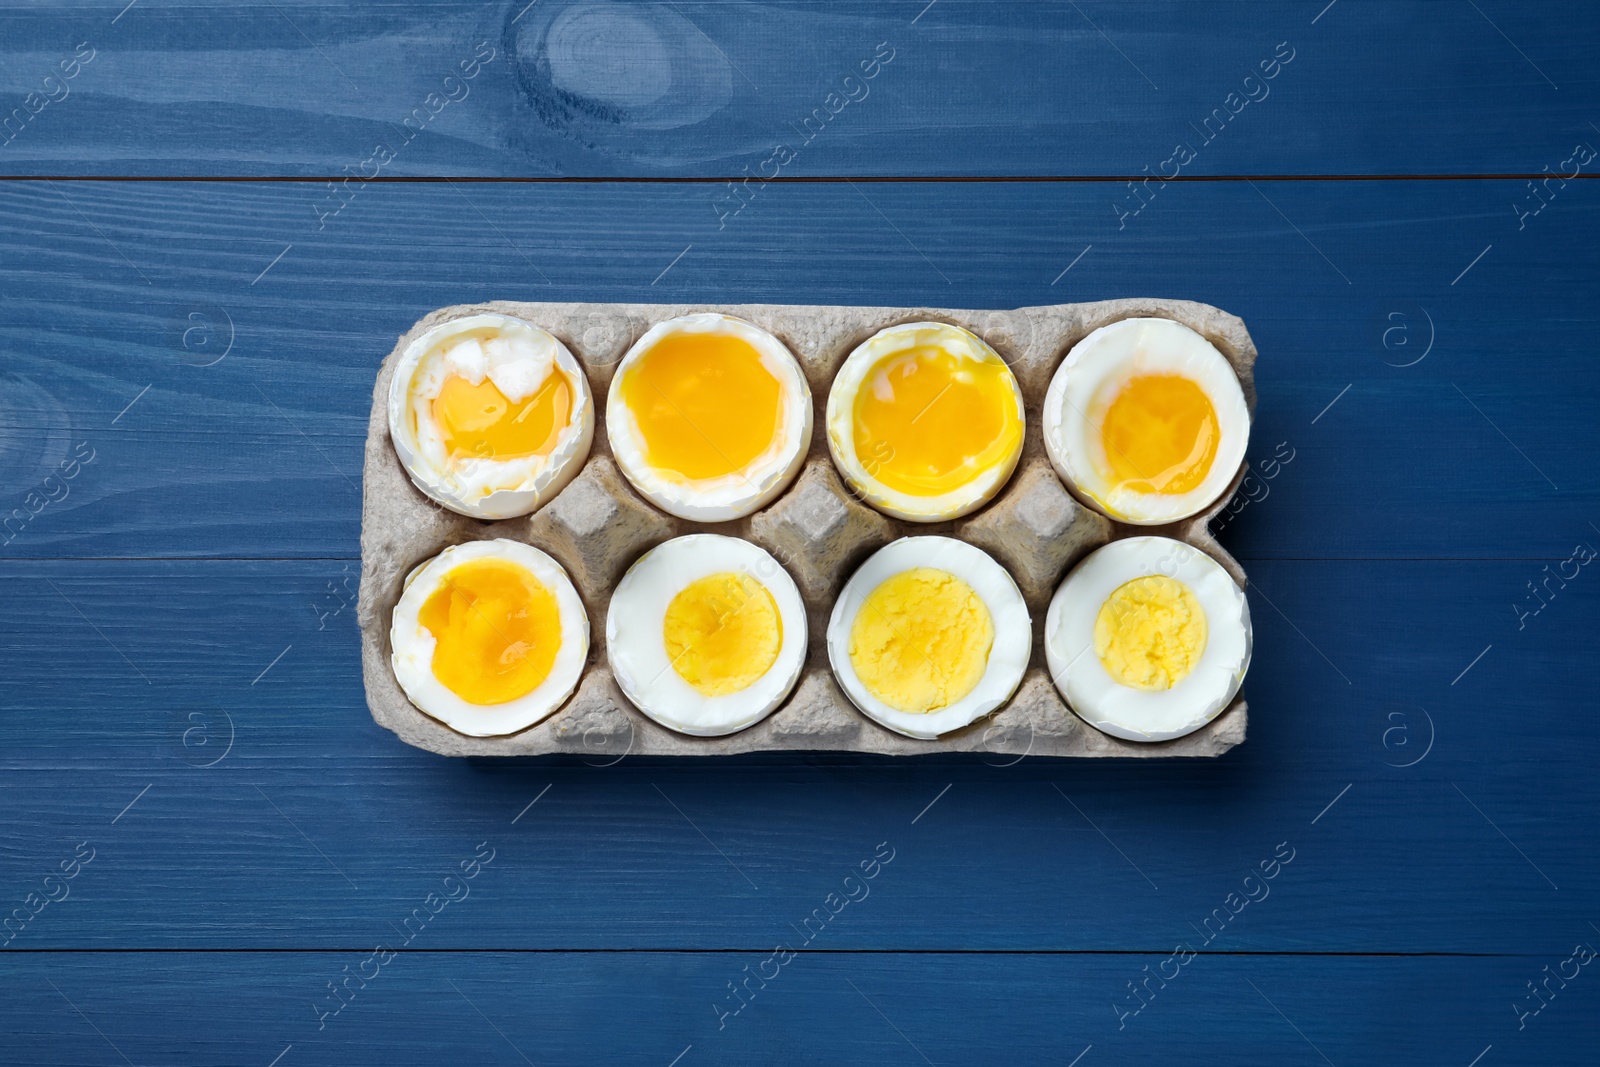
(215, 220)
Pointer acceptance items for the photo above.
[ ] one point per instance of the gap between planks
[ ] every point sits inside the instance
(998, 179)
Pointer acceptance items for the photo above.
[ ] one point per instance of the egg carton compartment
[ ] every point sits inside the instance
(818, 529)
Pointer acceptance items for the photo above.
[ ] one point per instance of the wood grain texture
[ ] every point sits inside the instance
(1382, 379)
(709, 87)
(647, 1008)
(185, 370)
(314, 828)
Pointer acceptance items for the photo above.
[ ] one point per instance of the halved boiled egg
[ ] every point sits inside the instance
(1146, 420)
(1148, 638)
(490, 415)
(929, 635)
(706, 634)
(709, 416)
(489, 637)
(925, 421)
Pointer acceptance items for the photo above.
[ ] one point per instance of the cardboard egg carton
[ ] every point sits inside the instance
(598, 525)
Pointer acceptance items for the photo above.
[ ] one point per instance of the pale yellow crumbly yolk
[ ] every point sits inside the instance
(478, 420)
(928, 421)
(1150, 633)
(921, 640)
(722, 633)
(1160, 435)
(497, 629)
(705, 404)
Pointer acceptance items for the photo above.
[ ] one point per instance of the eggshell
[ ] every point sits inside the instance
(425, 462)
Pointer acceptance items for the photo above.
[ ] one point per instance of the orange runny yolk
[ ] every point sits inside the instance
(497, 628)
(705, 405)
(478, 420)
(928, 421)
(1160, 435)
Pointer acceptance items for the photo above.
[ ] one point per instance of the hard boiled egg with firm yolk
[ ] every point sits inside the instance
(706, 634)
(490, 415)
(709, 417)
(489, 637)
(1147, 421)
(925, 421)
(928, 636)
(1148, 638)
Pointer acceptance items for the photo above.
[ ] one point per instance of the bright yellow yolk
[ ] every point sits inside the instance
(1150, 633)
(478, 420)
(705, 405)
(928, 421)
(498, 630)
(921, 640)
(1160, 435)
(722, 633)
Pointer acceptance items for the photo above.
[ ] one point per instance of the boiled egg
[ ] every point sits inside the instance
(489, 637)
(490, 415)
(1148, 638)
(1147, 421)
(929, 635)
(925, 421)
(706, 634)
(709, 417)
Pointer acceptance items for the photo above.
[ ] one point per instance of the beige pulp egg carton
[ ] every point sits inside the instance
(598, 525)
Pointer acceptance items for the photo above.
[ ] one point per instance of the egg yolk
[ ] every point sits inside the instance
(722, 633)
(705, 405)
(928, 421)
(497, 629)
(479, 421)
(921, 640)
(1160, 435)
(1150, 633)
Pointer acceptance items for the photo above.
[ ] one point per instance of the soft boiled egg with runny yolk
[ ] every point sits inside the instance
(1148, 638)
(929, 635)
(1147, 421)
(709, 416)
(490, 415)
(925, 421)
(706, 634)
(489, 637)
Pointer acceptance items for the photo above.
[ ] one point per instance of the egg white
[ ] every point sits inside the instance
(1008, 657)
(1137, 714)
(636, 643)
(413, 644)
(1086, 384)
(841, 422)
(733, 495)
(484, 487)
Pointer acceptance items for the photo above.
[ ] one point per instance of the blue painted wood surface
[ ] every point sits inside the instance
(116, 286)
(708, 87)
(202, 827)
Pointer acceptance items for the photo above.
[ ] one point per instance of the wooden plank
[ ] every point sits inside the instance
(708, 88)
(191, 721)
(1429, 365)
(654, 1008)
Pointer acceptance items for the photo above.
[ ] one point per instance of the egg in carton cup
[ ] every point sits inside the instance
(551, 564)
